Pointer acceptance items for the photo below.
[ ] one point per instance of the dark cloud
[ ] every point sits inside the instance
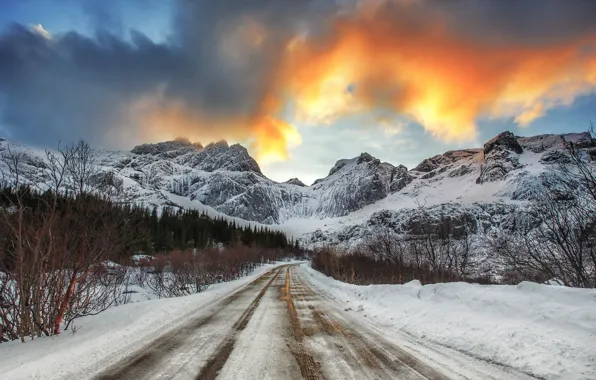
(531, 21)
(76, 86)
(218, 79)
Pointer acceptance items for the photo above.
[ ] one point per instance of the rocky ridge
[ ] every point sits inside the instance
(354, 197)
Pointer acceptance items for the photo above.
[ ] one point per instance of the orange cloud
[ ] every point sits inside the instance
(398, 61)
(443, 80)
(268, 136)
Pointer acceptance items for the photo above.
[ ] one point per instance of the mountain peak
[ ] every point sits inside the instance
(295, 181)
(176, 147)
(505, 140)
(221, 156)
(226, 178)
(362, 158)
(365, 157)
(221, 144)
(501, 156)
(214, 156)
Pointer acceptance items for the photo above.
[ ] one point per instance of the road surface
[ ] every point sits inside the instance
(278, 327)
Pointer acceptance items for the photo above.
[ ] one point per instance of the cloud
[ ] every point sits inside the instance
(115, 91)
(40, 29)
(236, 69)
(74, 86)
(392, 129)
(405, 57)
(530, 114)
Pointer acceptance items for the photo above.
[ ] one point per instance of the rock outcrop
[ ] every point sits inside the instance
(500, 156)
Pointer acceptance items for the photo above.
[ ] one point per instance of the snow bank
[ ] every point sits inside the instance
(117, 330)
(547, 331)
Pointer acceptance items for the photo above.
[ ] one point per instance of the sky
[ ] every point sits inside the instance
(300, 83)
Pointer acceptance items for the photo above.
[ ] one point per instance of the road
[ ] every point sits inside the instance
(278, 327)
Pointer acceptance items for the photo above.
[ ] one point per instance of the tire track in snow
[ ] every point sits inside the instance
(145, 360)
(364, 354)
(309, 368)
(217, 361)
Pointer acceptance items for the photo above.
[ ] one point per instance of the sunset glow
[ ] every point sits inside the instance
(374, 59)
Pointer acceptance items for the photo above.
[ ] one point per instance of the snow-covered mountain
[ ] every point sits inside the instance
(481, 188)
(357, 195)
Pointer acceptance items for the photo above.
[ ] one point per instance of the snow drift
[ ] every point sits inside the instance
(543, 330)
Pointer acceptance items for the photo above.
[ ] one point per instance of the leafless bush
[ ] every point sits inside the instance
(54, 248)
(555, 239)
(140, 272)
(434, 250)
(181, 273)
(363, 266)
(81, 167)
(105, 287)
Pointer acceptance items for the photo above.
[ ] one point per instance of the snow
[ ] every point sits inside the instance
(224, 181)
(575, 137)
(547, 331)
(515, 189)
(262, 350)
(116, 331)
(139, 258)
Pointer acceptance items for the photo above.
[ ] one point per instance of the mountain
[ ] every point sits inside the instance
(482, 189)
(357, 196)
(295, 181)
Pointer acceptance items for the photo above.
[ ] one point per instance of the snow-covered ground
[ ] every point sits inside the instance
(547, 331)
(118, 329)
(541, 330)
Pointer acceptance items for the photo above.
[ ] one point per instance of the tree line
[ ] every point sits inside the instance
(183, 229)
(431, 251)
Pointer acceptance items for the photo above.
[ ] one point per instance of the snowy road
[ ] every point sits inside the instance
(278, 327)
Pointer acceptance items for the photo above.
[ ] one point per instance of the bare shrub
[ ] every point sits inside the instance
(555, 239)
(433, 251)
(55, 247)
(181, 273)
